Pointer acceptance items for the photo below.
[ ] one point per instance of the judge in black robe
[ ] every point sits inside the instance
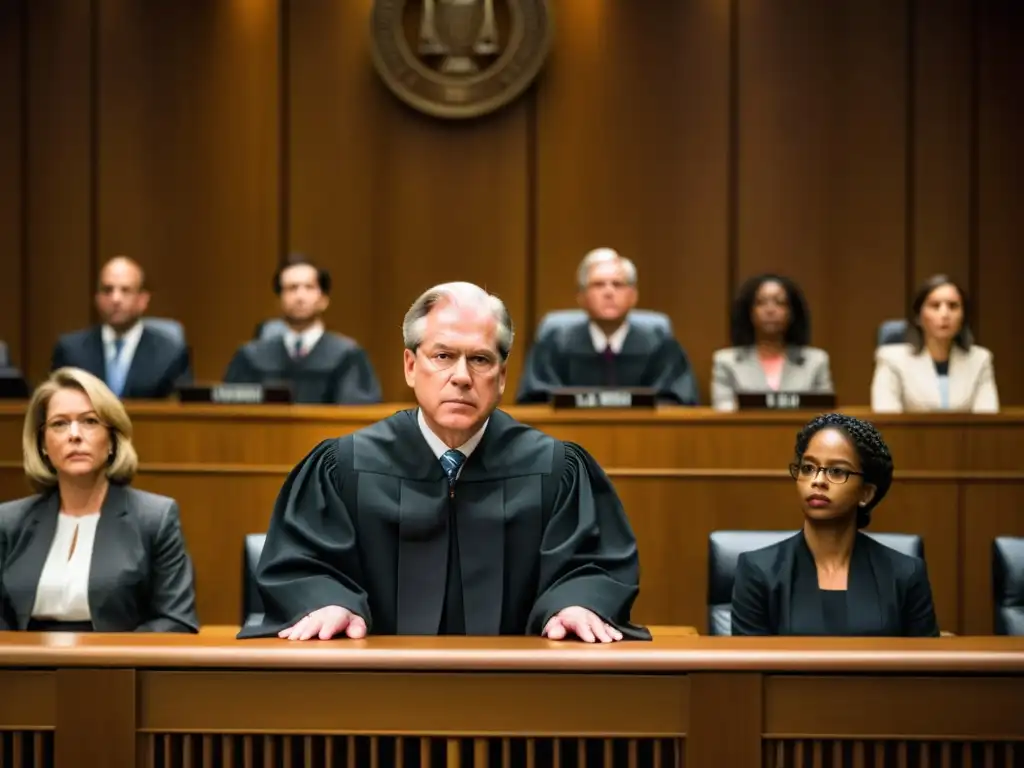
(336, 370)
(366, 522)
(319, 367)
(829, 579)
(649, 358)
(373, 533)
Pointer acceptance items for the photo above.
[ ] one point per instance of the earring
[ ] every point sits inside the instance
(863, 503)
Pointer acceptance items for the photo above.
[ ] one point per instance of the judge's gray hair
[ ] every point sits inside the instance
(603, 256)
(460, 294)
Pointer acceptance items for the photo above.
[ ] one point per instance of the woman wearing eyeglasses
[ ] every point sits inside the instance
(831, 579)
(89, 553)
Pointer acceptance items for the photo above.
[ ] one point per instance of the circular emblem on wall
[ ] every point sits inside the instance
(459, 58)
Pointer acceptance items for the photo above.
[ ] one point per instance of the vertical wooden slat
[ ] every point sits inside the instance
(38, 742)
(481, 755)
(374, 752)
(657, 755)
(880, 755)
(329, 751)
(166, 739)
(16, 750)
(453, 754)
(925, 760)
(858, 753)
(556, 745)
(227, 750)
(632, 752)
(798, 752)
(581, 753)
(531, 753)
(207, 759)
(506, 753)
(901, 755)
(268, 751)
(247, 757)
(399, 752)
(837, 752)
(350, 745)
(1009, 755)
(609, 754)
(817, 754)
(186, 750)
(287, 749)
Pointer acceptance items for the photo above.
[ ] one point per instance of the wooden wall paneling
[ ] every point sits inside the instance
(822, 166)
(940, 180)
(1000, 261)
(189, 161)
(333, 110)
(991, 509)
(12, 166)
(633, 153)
(60, 227)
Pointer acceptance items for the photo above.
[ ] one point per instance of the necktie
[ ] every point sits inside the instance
(116, 373)
(451, 461)
(297, 352)
(609, 366)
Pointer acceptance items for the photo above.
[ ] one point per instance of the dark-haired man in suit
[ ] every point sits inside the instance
(319, 366)
(135, 361)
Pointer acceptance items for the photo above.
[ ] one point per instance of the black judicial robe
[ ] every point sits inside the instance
(366, 522)
(335, 371)
(566, 358)
(888, 593)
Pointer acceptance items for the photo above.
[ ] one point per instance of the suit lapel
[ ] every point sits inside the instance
(749, 373)
(794, 375)
(24, 571)
(142, 361)
(95, 353)
(924, 372)
(961, 376)
(108, 550)
(806, 612)
(864, 591)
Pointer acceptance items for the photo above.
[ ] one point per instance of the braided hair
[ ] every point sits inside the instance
(875, 459)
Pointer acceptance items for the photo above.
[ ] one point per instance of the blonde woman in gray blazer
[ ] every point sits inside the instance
(770, 331)
(940, 368)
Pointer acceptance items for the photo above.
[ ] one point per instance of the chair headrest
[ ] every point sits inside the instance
(165, 325)
(563, 318)
(892, 332)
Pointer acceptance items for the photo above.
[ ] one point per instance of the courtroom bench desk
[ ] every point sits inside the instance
(680, 472)
(178, 700)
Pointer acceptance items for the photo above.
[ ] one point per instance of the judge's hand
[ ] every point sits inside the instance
(584, 624)
(325, 623)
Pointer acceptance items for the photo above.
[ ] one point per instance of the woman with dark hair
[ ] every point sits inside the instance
(770, 332)
(939, 367)
(830, 579)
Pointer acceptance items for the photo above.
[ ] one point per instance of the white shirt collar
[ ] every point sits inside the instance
(131, 340)
(616, 340)
(437, 444)
(309, 337)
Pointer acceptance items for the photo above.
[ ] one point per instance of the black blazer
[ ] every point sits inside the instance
(159, 366)
(141, 577)
(776, 592)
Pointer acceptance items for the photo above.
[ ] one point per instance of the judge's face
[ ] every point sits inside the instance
(302, 301)
(457, 373)
(75, 439)
(608, 295)
(827, 492)
(121, 300)
(942, 314)
(770, 313)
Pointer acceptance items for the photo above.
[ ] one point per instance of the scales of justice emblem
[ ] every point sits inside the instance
(459, 58)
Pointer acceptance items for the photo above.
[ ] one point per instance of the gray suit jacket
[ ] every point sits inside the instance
(737, 369)
(141, 577)
(905, 380)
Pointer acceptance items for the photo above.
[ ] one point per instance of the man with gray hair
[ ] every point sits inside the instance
(451, 518)
(608, 348)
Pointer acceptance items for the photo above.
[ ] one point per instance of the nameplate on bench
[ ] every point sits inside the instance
(786, 401)
(603, 397)
(236, 394)
(13, 385)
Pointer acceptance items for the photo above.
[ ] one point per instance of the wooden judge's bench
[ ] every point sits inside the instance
(681, 473)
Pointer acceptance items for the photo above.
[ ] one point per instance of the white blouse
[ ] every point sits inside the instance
(63, 592)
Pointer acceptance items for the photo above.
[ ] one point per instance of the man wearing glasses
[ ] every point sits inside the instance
(451, 518)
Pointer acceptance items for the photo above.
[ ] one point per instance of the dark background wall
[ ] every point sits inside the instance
(858, 145)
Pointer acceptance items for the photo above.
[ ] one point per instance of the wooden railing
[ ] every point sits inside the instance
(206, 701)
(681, 473)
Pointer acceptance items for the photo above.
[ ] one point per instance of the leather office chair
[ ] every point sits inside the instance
(166, 326)
(892, 332)
(1008, 585)
(725, 548)
(270, 329)
(252, 603)
(563, 317)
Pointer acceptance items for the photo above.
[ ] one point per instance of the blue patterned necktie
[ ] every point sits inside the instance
(116, 373)
(451, 461)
